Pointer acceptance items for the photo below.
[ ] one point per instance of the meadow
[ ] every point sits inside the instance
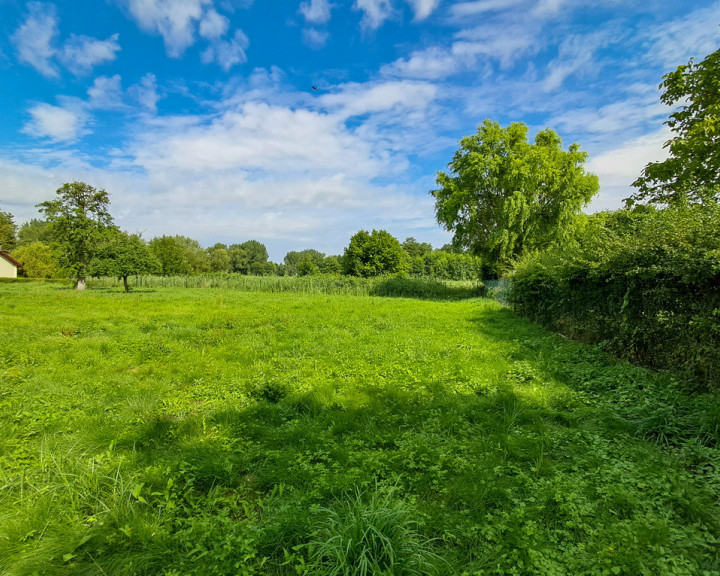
(215, 431)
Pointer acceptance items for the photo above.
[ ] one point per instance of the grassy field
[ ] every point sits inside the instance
(209, 431)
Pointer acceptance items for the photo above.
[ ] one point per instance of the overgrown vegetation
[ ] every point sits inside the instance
(193, 431)
(643, 283)
(398, 286)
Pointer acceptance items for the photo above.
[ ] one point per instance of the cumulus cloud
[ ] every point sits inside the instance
(35, 36)
(145, 93)
(57, 123)
(174, 20)
(359, 99)
(213, 25)
(227, 53)
(106, 93)
(81, 54)
(36, 45)
(316, 11)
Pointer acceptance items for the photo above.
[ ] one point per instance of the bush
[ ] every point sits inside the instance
(644, 283)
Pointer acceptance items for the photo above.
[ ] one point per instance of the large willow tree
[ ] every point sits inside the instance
(504, 195)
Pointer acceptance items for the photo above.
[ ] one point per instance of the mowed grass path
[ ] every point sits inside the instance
(190, 431)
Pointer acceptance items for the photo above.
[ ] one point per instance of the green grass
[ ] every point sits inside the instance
(193, 431)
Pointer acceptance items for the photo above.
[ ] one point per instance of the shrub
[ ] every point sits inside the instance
(644, 283)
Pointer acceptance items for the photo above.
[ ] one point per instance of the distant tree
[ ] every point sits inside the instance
(294, 259)
(218, 258)
(256, 254)
(331, 265)
(692, 172)
(373, 254)
(34, 231)
(238, 259)
(249, 257)
(504, 196)
(79, 220)
(38, 260)
(307, 268)
(413, 248)
(170, 255)
(123, 255)
(179, 255)
(8, 231)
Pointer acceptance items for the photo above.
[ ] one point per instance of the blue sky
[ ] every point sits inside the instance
(199, 117)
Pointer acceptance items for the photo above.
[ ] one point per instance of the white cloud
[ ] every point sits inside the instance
(375, 12)
(505, 46)
(432, 63)
(575, 55)
(174, 20)
(213, 25)
(316, 11)
(106, 92)
(34, 38)
(619, 167)
(315, 38)
(145, 93)
(227, 53)
(423, 8)
(81, 54)
(465, 9)
(695, 35)
(360, 99)
(55, 122)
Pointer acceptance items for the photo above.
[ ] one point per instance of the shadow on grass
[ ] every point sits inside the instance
(659, 406)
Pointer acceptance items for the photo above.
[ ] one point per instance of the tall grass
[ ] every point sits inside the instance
(320, 284)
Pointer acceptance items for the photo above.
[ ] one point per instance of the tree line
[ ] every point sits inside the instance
(78, 239)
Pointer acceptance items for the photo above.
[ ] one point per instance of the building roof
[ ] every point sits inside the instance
(10, 259)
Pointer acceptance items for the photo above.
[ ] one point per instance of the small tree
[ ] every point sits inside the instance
(123, 255)
(79, 220)
(373, 254)
(692, 172)
(294, 259)
(37, 259)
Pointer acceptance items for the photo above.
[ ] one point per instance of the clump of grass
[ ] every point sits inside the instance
(371, 535)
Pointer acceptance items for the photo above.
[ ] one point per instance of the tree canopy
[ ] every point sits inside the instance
(503, 195)
(123, 255)
(373, 254)
(79, 220)
(692, 171)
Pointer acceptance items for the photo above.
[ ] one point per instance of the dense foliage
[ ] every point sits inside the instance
(644, 283)
(38, 260)
(373, 254)
(692, 172)
(123, 255)
(8, 229)
(504, 196)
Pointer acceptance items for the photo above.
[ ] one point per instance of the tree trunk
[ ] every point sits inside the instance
(80, 283)
(125, 283)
